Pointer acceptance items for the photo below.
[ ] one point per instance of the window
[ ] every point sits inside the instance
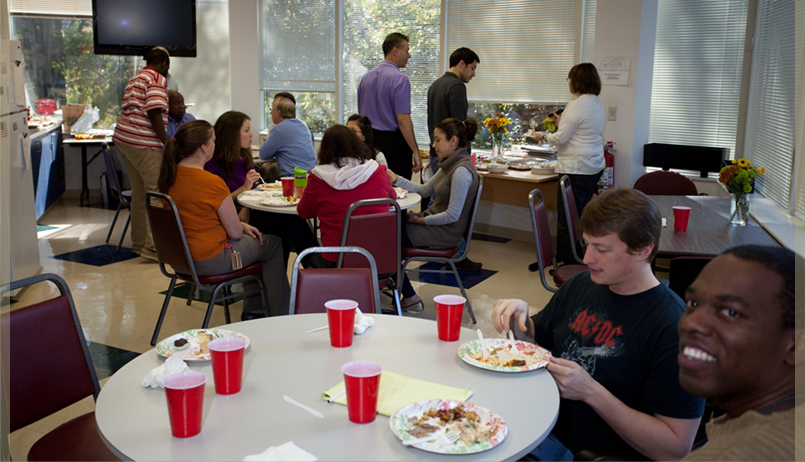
(300, 53)
(59, 64)
(772, 102)
(698, 61)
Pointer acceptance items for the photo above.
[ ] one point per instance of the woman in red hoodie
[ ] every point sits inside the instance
(345, 174)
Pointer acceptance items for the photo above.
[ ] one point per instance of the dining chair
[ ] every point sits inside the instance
(665, 183)
(682, 271)
(379, 234)
(571, 215)
(172, 249)
(312, 287)
(544, 245)
(447, 256)
(47, 367)
(123, 197)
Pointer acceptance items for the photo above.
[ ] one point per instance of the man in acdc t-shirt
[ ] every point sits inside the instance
(612, 332)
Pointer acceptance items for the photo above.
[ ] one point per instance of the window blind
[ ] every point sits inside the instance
(526, 47)
(298, 45)
(698, 59)
(205, 80)
(772, 100)
(51, 7)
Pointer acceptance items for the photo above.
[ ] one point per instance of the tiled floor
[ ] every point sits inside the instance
(118, 301)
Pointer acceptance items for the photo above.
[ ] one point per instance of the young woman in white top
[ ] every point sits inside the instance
(579, 140)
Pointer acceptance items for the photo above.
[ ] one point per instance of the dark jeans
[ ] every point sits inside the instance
(291, 229)
(584, 187)
(395, 148)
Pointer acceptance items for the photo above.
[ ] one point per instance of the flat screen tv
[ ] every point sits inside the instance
(132, 27)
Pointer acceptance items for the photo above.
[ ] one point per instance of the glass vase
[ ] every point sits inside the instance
(739, 209)
(497, 145)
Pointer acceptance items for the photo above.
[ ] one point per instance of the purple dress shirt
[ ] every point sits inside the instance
(235, 181)
(383, 93)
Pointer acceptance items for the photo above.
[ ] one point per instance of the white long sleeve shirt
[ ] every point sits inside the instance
(579, 137)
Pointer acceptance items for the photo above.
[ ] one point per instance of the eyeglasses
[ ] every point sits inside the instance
(567, 79)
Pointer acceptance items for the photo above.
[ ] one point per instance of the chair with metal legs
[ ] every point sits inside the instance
(123, 197)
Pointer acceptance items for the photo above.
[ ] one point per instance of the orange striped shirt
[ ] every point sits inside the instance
(145, 91)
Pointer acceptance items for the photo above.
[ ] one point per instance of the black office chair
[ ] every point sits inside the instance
(123, 197)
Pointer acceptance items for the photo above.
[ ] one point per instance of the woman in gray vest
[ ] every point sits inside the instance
(442, 225)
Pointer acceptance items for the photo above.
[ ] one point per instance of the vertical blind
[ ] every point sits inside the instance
(799, 211)
(297, 40)
(698, 59)
(772, 101)
(526, 47)
(51, 7)
(205, 80)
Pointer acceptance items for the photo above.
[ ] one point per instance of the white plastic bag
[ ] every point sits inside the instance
(86, 121)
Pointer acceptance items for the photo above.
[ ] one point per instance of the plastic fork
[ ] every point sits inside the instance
(511, 341)
(446, 439)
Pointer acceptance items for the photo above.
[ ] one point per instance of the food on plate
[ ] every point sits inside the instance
(88, 136)
(548, 164)
(279, 200)
(180, 343)
(400, 192)
(500, 356)
(467, 423)
(270, 186)
(202, 339)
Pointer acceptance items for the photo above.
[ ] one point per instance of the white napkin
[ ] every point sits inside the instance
(172, 365)
(287, 451)
(361, 322)
(253, 192)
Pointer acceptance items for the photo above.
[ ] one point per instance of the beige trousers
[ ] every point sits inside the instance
(143, 166)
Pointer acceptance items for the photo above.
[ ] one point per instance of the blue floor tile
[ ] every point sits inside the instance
(107, 360)
(468, 278)
(101, 255)
(489, 238)
(40, 228)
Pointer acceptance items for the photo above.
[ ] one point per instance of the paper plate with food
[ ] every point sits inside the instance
(544, 168)
(478, 429)
(270, 186)
(279, 201)
(401, 193)
(527, 357)
(192, 344)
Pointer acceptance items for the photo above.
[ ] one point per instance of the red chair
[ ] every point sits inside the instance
(449, 256)
(665, 183)
(46, 368)
(378, 233)
(572, 216)
(312, 287)
(172, 249)
(123, 197)
(544, 245)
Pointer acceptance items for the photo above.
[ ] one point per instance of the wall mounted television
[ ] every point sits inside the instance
(132, 27)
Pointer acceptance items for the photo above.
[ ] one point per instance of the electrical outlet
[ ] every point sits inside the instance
(612, 113)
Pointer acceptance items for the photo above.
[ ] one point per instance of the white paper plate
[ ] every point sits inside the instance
(167, 349)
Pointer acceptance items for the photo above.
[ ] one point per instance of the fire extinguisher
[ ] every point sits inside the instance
(607, 179)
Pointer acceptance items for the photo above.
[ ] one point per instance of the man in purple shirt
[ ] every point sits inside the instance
(384, 96)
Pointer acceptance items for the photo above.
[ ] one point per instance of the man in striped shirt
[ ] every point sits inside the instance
(140, 137)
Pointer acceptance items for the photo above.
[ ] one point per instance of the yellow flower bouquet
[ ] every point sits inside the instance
(549, 124)
(739, 177)
(497, 128)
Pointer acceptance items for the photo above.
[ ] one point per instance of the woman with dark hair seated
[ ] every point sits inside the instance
(443, 223)
(211, 222)
(345, 174)
(362, 127)
(233, 162)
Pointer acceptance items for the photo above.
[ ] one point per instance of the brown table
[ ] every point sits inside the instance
(709, 230)
(512, 187)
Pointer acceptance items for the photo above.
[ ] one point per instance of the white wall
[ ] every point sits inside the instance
(244, 59)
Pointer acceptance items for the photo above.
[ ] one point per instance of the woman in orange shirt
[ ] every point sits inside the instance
(211, 222)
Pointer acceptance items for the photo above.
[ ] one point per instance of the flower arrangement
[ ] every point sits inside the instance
(498, 124)
(739, 176)
(549, 124)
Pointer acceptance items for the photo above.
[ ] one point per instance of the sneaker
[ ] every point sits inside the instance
(148, 254)
(417, 307)
(468, 265)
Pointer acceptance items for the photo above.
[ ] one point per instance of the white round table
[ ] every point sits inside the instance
(284, 360)
(253, 202)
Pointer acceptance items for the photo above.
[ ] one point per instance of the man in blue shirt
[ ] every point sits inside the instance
(289, 141)
(177, 112)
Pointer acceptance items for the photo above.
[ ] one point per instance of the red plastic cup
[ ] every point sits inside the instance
(287, 186)
(362, 380)
(341, 319)
(681, 216)
(185, 394)
(227, 364)
(449, 309)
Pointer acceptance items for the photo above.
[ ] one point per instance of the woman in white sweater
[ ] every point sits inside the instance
(579, 140)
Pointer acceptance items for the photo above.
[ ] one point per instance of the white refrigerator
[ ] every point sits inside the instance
(19, 248)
